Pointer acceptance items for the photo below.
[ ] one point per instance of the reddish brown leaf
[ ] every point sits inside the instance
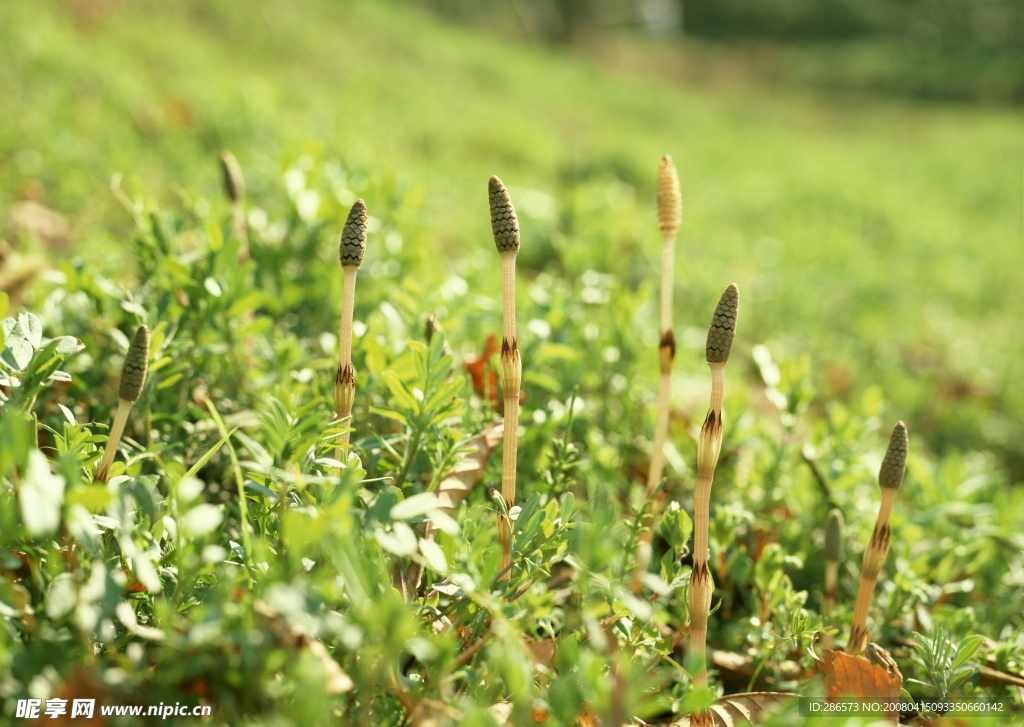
(477, 368)
(849, 677)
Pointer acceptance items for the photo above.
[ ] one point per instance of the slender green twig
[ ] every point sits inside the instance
(890, 477)
(833, 549)
(505, 227)
(133, 378)
(721, 335)
(669, 214)
(350, 253)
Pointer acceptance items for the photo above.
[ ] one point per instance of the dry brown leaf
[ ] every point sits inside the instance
(855, 676)
(288, 634)
(454, 488)
(872, 679)
(542, 652)
(737, 709)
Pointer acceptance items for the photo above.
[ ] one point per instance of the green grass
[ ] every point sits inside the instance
(877, 245)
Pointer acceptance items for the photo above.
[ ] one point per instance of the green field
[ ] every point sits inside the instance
(876, 243)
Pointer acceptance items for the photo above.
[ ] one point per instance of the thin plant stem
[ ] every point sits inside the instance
(350, 253)
(113, 440)
(668, 217)
(721, 335)
(505, 228)
(833, 549)
(133, 378)
(890, 477)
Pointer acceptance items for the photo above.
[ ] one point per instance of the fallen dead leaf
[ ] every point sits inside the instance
(287, 633)
(736, 709)
(454, 488)
(875, 677)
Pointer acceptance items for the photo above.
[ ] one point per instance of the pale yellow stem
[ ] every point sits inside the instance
(511, 380)
(874, 558)
(348, 302)
(701, 588)
(656, 468)
(508, 297)
(668, 255)
(344, 384)
(116, 430)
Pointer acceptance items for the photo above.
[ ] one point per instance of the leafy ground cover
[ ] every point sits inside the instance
(232, 560)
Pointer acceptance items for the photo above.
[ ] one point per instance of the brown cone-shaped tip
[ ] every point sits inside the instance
(834, 534)
(353, 236)
(234, 182)
(670, 204)
(504, 224)
(890, 476)
(722, 332)
(133, 372)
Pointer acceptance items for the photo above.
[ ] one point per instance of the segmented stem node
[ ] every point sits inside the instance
(504, 223)
(670, 203)
(722, 331)
(344, 390)
(353, 236)
(136, 362)
(890, 475)
(667, 350)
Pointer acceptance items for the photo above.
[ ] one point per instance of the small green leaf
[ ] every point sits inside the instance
(676, 526)
(434, 556)
(215, 236)
(567, 504)
(206, 457)
(67, 345)
(414, 506)
(398, 390)
(67, 413)
(32, 328)
(213, 287)
(202, 519)
(968, 648)
(42, 496)
(18, 351)
(401, 541)
(92, 497)
(390, 414)
(60, 597)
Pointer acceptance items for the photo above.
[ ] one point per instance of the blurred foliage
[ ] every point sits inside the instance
(960, 49)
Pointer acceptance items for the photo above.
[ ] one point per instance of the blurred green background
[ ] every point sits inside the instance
(856, 167)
